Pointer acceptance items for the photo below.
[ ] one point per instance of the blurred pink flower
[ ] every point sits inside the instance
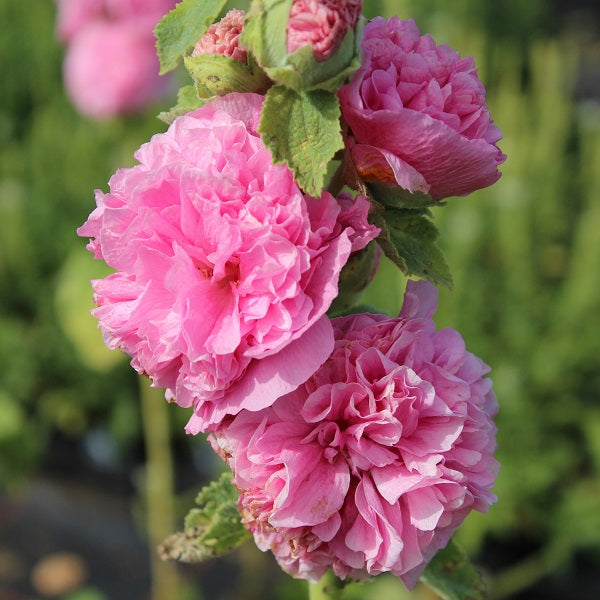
(418, 114)
(224, 37)
(322, 23)
(373, 463)
(112, 68)
(74, 15)
(110, 63)
(224, 269)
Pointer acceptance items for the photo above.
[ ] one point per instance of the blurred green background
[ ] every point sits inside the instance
(525, 255)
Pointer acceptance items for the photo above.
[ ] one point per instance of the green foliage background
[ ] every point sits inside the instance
(525, 256)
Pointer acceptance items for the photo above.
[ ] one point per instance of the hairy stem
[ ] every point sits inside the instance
(159, 490)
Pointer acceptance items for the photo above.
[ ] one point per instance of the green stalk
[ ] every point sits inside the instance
(159, 490)
(329, 587)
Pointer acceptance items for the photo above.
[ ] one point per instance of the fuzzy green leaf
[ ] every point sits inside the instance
(180, 29)
(212, 529)
(453, 576)
(408, 238)
(187, 100)
(303, 131)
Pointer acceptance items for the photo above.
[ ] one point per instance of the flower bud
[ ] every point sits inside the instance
(323, 24)
(305, 45)
(224, 38)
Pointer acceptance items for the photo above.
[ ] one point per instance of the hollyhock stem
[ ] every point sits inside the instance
(159, 488)
(329, 587)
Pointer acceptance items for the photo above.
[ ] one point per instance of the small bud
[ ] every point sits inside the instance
(321, 23)
(224, 38)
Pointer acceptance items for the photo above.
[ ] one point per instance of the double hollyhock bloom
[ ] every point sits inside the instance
(110, 64)
(418, 115)
(223, 37)
(224, 268)
(373, 463)
(321, 23)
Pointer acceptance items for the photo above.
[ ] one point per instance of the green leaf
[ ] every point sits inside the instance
(408, 238)
(397, 197)
(217, 75)
(73, 301)
(181, 28)
(13, 417)
(212, 529)
(187, 100)
(303, 131)
(453, 576)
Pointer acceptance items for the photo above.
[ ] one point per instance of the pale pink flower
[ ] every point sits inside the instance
(373, 463)
(74, 15)
(224, 37)
(224, 268)
(321, 23)
(418, 114)
(111, 68)
(110, 64)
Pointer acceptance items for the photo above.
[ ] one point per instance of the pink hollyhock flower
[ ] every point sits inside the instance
(322, 23)
(374, 461)
(110, 64)
(112, 68)
(74, 15)
(224, 37)
(418, 114)
(224, 268)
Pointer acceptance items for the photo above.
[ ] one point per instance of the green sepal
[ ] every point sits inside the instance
(453, 576)
(354, 278)
(408, 238)
(265, 36)
(187, 100)
(178, 31)
(393, 196)
(217, 75)
(213, 529)
(303, 131)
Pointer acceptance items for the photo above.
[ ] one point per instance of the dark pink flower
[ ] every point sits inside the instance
(321, 23)
(224, 37)
(418, 114)
(373, 463)
(224, 268)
